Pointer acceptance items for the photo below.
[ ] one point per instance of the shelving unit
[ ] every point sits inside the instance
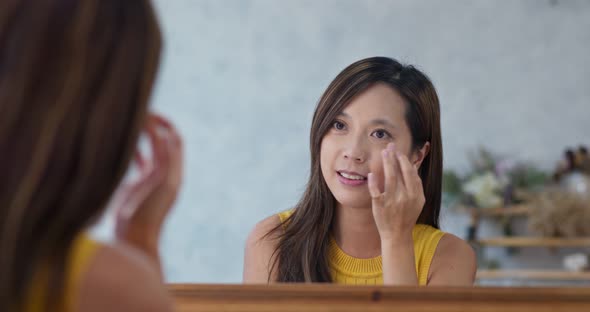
(534, 275)
(525, 242)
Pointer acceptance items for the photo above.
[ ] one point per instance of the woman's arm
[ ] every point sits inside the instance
(258, 254)
(399, 264)
(454, 263)
(396, 210)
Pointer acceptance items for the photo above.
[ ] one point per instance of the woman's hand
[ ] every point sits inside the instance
(397, 209)
(142, 205)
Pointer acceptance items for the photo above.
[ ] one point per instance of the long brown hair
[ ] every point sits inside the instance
(301, 252)
(75, 80)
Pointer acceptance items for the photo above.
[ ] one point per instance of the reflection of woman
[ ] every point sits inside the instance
(75, 80)
(370, 212)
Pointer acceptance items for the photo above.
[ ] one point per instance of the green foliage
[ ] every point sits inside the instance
(451, 183)
(528, 177)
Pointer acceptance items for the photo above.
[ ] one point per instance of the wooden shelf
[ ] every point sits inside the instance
(535, 242)
(516, 210)
(512, 211)
(533, 275)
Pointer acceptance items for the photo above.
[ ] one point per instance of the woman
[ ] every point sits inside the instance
(75, 81)
(369, 214)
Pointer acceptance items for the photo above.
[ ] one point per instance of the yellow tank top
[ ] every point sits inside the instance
(349, 270)
(82, 252)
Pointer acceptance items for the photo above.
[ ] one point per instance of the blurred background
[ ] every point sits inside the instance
(241, 78)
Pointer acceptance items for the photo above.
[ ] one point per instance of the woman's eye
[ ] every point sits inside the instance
(380, 134)
(338, 125)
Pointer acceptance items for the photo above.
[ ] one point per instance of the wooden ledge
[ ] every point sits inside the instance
(299, 297)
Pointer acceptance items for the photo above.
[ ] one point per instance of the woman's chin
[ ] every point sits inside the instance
(348, 201)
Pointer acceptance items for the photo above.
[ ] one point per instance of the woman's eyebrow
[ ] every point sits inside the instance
(383, 122)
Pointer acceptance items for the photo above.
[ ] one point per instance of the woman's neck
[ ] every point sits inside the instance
(356, 233)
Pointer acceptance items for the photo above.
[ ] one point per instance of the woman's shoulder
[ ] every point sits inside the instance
(285, 214)
(453, 247)
(445, 244)
(269, 229)
(260, 249)
(121, 278)
(265, 233)
(454, 262)
(425, 232)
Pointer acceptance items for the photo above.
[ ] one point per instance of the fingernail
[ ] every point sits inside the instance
(385, 152)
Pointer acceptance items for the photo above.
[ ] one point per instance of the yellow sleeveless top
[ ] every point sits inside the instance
(82, 251)
(349, 270)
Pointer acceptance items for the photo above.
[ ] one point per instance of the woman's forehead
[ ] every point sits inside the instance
(378, 102)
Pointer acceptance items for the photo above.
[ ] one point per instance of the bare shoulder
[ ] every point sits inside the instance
(122, 279)
(265, 231)
(454, 263)
(260, 246)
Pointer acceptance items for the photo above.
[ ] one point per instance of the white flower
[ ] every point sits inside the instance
(484, 188)
(575, 262)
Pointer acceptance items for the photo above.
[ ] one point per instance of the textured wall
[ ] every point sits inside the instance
(241, 78)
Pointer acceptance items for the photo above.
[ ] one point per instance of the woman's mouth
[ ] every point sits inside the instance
(351, 178)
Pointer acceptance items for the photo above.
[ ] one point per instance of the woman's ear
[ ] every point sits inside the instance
(420, 154)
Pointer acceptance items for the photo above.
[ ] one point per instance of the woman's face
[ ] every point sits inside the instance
(352, 147)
